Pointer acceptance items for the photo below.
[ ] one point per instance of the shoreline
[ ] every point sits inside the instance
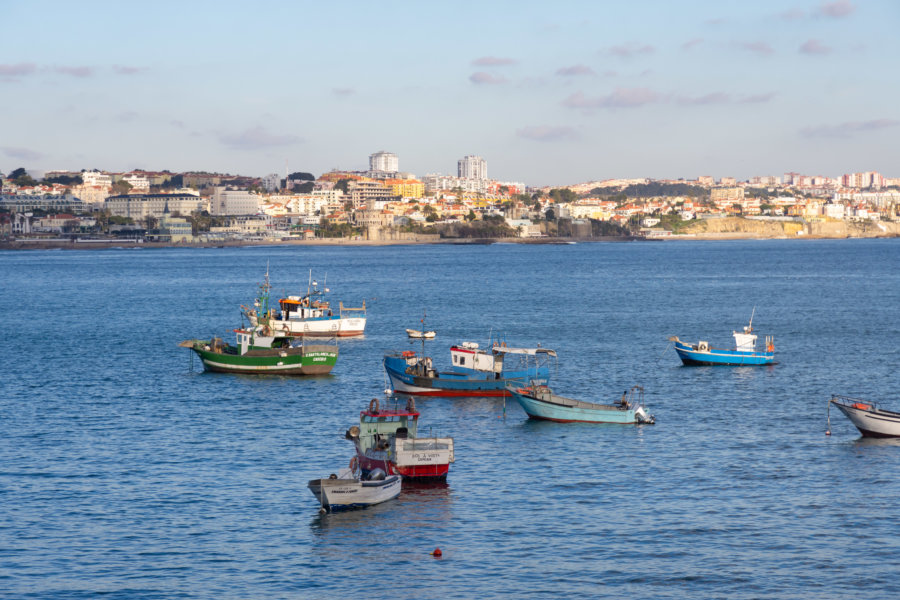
(338, 242)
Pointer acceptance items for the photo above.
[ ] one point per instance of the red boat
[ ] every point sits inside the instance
(386, 439)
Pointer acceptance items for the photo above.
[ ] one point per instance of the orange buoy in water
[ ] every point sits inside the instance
(437, 553)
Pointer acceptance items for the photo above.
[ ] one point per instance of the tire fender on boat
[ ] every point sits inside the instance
(410, 404)
(373, 405)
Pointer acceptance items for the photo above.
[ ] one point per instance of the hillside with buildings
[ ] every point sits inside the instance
(384, 204)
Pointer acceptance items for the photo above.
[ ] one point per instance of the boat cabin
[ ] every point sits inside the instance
(744, 341)
(297, 307)
(378, 427)
(468, 356)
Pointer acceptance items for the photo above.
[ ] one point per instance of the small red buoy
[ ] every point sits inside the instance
(437, 553)
(828, 432)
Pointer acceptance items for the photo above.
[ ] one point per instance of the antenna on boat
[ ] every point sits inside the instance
(750, 328)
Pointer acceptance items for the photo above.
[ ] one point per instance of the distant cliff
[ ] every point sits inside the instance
(735, 227)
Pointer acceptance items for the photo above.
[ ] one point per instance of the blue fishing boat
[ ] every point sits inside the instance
(474, 371)
(744, 352)
(539, 402)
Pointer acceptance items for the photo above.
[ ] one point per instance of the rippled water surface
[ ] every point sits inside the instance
(126, 474)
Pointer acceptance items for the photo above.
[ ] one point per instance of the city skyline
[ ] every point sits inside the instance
(548, 97)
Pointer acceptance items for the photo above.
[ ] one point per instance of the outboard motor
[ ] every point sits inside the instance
(642, 417)
(377, 475)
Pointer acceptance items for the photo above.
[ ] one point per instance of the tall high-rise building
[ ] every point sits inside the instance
(384, 161)
(472, 167)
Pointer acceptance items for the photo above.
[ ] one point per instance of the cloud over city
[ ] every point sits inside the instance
(256, 138)
(547, 133)
(483, 78)
(848, 129)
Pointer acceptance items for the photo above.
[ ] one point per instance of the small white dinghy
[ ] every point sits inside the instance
(416, 334)
(347, 489)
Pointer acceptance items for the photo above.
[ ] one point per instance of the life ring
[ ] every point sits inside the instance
(354, 462)
(410, 404)
(266, 331)
(373, 405)
(503, 345)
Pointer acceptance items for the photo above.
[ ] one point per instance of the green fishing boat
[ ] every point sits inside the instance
(259, 350)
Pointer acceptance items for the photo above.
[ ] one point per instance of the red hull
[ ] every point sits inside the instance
(460, 393)
(414, 472)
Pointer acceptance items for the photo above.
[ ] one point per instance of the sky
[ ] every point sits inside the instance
(548, 93)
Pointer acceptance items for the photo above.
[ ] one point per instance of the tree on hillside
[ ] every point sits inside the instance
(21, 178)
(563, 195)
(342, 185)
(65, 179)
(302, 176)
(121, 187)
(305, 187)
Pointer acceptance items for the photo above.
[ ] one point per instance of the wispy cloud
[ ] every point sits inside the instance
(792, 14)
(691, 43)
(848, 129)
(256, 138)
(127, 70)
(760, 48)
(630, 50)
(129, 116)
(723, 98)
(836, 10)
(17, 70)
(343, 91)
(814, 47)
(712, 98)
(482, 78)
(75, 71)
(620, 98)
(21, 153)
(493, 61)
(575, 71)
(547, 133)
(757, 98)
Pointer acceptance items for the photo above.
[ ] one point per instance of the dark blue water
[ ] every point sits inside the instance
(126, 475)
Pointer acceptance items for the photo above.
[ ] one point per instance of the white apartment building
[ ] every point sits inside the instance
(384, 161)
(271, 182)
(229, 201)
(472, 167)
(141, 206)
(138, 183)
(96, 179)
(93, 195)
(435, 182)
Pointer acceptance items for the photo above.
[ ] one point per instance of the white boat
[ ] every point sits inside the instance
(416, 334)
(311, 315)
(347, 489)
(867, 417)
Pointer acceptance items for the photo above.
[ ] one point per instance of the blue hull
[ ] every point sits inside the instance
(458, 383)
(719, 357)
(552, 411)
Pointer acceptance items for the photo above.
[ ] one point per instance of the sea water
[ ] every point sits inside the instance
(127, 472)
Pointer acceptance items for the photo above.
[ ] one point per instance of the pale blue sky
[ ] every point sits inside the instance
(548, 93)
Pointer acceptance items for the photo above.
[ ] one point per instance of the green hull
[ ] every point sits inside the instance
(311, 359)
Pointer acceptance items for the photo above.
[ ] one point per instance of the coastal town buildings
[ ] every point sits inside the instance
(228, 201)
(140, 206)
(472, 167)
(382, 161)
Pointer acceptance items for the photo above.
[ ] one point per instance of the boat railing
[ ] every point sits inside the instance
(851, 402)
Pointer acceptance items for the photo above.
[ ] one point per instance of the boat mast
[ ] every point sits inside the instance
(750, 329)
